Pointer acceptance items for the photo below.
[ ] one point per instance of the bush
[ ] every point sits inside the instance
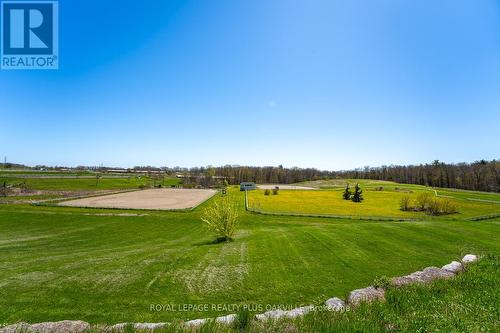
(441, 207)
(423, 201)
(448, 206)
(405, 203)
(426, 203)
(267, 192)
(222, 218)
(433, 207)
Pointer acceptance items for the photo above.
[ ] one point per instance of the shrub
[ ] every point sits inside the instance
(448, 206)
(405, 203)
(441, 207)
(423, 201)
(433, 207)
(222, 218)
(267, 192)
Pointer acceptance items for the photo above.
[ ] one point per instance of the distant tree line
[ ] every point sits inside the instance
(11, 166)
(270, 175)
(480, 175)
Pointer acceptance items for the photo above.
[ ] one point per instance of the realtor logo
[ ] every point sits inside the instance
(29, 34)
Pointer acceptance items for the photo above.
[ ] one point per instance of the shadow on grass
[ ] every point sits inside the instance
(218, 240)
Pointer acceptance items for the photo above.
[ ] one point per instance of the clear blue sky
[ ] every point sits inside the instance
(326, 84)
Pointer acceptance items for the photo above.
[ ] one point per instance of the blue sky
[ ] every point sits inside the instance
(326, 84)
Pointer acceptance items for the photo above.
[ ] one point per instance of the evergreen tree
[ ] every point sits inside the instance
(347, 193)
(358, 194)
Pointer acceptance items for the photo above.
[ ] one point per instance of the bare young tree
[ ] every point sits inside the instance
(222, 218)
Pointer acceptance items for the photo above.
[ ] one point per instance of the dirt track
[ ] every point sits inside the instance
(146, 199)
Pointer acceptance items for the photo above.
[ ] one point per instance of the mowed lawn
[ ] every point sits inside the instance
(382, 203)
(85, 184)
(70, 263)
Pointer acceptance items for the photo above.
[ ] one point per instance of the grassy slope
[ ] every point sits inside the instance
(376, 203)
(59, 264)
(467, 303)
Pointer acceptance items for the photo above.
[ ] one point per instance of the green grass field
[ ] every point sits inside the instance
(467, 303)
(340, 183)
(72, 263)
(377, 203)
(84, 184)
(391, 186)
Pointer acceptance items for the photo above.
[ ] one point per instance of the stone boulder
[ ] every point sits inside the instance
(196, 322)
(16, 328)
(229, 319)
(278, 313)
(368, 294)
(272, 314)
(469, 258)
(299, 311)
(149, 326)
(119, 327)
(65, 326)
(427, 275)
(335, 304)
(435, 273)
(454, 267)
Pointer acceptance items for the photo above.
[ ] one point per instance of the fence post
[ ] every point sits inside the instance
(246, 199)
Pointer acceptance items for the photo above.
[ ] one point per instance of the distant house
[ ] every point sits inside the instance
(247, 186)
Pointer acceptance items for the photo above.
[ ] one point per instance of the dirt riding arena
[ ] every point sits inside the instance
(146, 199)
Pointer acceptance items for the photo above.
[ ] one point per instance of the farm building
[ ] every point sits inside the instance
(246, 186)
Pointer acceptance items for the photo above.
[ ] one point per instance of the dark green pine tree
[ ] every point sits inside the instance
(358, 194)
(347, 193)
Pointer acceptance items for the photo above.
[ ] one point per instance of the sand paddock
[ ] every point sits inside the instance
(146, 199)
